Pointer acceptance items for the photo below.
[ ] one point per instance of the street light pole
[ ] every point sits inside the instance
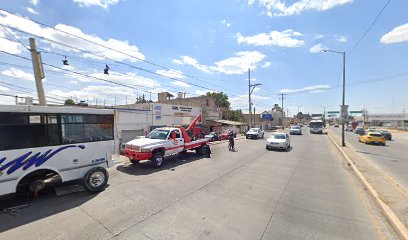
(343, 142)
(251, 88)
(343, 108)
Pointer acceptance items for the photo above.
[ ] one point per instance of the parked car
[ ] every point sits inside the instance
(225, 134)
(295, 129)
(386, 134)
(372, 137)
(359, 130)
(278, 141)
(336, 125)
(213, 136)
(255, 133)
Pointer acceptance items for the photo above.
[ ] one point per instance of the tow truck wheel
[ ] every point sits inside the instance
(157, 159)
(95, 180)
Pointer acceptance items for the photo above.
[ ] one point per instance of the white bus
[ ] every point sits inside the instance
(60, 143)
(316, 126)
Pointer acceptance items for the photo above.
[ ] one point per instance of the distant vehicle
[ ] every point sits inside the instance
(386, 134)
(295, 129)
(372, 137)
(43, 146)
(371, 129)
(278, 141)
(359, 130)
(255, 133)
(225, 134)
(316, 126)
(348, 128)
(212, 136)
(336, 125)
(163, 142)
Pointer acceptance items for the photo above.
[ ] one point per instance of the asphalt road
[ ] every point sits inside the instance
(253, 193)
(392, 159)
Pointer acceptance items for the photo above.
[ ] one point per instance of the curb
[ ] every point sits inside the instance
(389, 214)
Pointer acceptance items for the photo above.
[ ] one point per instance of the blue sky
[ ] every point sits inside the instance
(215, 42)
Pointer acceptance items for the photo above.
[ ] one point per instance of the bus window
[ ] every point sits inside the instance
(27, 131)
(86, 128)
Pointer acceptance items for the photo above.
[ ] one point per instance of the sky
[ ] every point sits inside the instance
(209, 45)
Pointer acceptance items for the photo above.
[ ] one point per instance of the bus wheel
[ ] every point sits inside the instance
(95, 180)
(157, 159)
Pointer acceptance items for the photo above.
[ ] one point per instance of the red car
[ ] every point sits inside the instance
(225, 134)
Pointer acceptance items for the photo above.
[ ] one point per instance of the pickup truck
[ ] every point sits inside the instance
(163, 142)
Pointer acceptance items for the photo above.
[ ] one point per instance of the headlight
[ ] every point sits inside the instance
(145, 150)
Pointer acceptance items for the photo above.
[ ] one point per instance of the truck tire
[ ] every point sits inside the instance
(206, 150)
(199, 150)
(95, 180)
(157, 159)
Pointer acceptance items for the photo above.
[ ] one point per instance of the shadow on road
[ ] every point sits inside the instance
(169, 163)
(279, 149)
(43, 206)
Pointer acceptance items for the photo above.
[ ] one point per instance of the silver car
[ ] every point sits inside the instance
(278, 141)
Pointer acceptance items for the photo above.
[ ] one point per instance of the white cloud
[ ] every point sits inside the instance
(274, 38)
(171, 73)
(225, 23)
(4, 89)
(397, 35)
(318, 36)
(317, 48)
(99, 3)
(237, 64)
(177, 61)
(73, 82)
(200, 92)
(311, 89)
(32, 11)
(128, 78)
(267, 64)
(17, 73)
(278, 8)
(34, 2)
(341, 39)
(34, 28)
(181, 84)
(240, 63)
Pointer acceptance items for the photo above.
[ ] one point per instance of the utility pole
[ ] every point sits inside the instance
(282, 98)
(38, 72)
(343, 142)
(343, 102)
(249, 98)
(254, 116)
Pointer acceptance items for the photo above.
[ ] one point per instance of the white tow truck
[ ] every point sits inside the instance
(163, 142)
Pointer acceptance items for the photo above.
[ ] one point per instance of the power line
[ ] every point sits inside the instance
(370, 27)
(115, 50)
(15, 38)
(126, 64)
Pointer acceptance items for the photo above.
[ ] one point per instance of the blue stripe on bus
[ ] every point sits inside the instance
(25, 161)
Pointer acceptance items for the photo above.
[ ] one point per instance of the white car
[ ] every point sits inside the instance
(295, 129)
(278, 141)
(255, 133)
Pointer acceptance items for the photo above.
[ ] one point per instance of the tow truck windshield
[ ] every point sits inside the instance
(158, 134)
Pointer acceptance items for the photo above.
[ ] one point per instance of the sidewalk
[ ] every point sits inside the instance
(390, 197)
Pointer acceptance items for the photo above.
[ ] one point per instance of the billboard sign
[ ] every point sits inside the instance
(266, 116)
